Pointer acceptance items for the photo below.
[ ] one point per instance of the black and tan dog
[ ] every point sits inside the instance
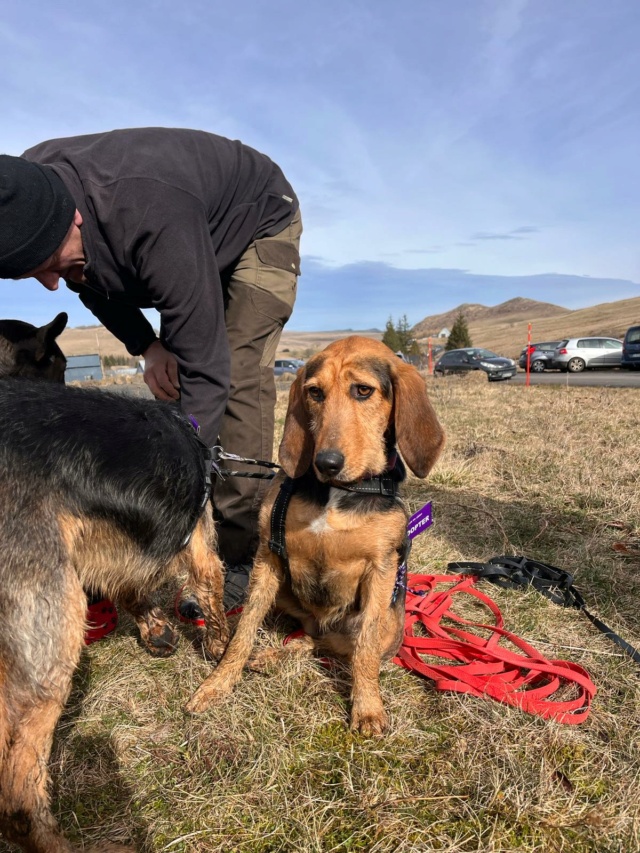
(97, 491)
(331, 557)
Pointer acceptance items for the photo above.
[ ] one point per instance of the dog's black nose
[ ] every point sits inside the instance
(329, 462)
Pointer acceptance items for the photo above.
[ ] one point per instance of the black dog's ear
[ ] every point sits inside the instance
(55, 327)
(46, 335)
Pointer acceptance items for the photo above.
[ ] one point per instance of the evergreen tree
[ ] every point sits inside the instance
(459, 336)
(404, 334)
(391, 337)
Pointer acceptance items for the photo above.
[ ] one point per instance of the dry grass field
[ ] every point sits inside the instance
(549, 472)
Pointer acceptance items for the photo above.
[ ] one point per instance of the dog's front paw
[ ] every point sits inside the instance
(205, 697)
(369, 724)
(161, 641)
(264, 661)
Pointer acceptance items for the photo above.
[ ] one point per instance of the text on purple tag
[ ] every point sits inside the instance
(419, 521)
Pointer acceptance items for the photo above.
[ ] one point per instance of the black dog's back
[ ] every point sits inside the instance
(136, 463)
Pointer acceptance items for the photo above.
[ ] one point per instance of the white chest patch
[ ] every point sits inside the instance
(321, 524)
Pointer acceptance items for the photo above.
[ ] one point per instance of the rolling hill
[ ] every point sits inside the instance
(503, 327)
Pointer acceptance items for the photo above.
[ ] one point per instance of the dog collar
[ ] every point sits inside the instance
(385, 484)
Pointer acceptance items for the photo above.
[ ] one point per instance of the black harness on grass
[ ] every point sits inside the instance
(555, 584)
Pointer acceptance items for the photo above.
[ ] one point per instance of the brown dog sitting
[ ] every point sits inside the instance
(333, 529)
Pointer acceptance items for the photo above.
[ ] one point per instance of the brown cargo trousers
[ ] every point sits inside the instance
(259, 296)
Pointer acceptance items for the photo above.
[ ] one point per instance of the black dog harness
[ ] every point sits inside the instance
(384, 485)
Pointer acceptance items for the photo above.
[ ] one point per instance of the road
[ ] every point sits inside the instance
(588, 378)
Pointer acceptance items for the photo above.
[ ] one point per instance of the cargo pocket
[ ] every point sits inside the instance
(279, 254)
(278, 268)
(267, 305)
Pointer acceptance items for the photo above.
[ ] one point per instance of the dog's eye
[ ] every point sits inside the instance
(362, 392)
(316, 393)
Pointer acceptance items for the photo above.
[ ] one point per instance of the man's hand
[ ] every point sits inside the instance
(161, 372)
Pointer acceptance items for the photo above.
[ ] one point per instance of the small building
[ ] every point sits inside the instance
(444, 333)
(81, 368)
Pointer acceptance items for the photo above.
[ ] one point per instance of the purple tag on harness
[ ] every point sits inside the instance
(419, 521)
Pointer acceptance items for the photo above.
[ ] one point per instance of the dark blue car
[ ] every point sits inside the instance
(631, 349)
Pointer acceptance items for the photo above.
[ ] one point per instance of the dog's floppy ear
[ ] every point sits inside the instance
(46, 335)
(296, 447)
(419, 435)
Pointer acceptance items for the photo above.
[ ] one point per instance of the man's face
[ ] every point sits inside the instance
(67, 262)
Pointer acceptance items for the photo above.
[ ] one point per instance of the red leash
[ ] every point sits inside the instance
(480, 665)
(484, 667)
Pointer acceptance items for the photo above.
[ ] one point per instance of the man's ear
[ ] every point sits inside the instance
(296, 448)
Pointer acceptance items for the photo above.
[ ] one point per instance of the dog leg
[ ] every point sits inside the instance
(206, 579)
(157, 634)
(25, 816)
(367, 712)
(262, 592)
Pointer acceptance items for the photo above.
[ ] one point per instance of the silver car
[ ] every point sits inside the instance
(286, 365)
(576, 354)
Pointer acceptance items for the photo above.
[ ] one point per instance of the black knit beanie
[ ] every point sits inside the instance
(36, 212)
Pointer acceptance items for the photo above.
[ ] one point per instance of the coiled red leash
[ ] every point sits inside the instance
(481, 664)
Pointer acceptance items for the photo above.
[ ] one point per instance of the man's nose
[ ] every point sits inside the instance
(48, 279)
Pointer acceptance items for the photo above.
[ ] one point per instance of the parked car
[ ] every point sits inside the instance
(540, 357)
(287, 365)
(474, 358)
(631, 349)
(577, 354)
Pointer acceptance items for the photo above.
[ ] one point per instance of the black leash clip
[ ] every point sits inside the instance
(217, 455)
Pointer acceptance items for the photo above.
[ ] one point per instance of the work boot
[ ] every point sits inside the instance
(235, 585)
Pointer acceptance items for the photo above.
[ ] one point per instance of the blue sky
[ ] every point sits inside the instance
(444, 151)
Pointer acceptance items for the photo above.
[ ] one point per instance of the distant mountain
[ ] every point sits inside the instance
(504, 328)
(518, 308)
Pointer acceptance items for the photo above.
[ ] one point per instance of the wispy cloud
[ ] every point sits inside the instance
(515, 234)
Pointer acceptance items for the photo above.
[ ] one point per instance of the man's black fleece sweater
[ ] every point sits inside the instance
(165, 211)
